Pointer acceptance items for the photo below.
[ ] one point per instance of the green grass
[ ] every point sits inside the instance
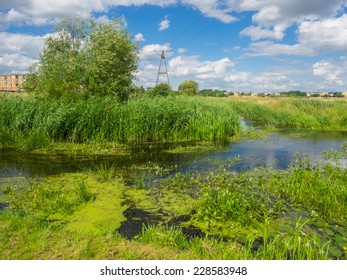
(293, 112)
(33, 122)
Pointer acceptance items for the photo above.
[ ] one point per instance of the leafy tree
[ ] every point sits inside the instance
(112, 60)
(62, 62)
(31, 80)
(83, 57)
(160, 90)
(189, 87)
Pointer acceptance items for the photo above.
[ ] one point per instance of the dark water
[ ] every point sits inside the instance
(276, 150)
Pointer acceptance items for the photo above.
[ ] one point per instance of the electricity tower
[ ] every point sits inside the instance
(160, 70)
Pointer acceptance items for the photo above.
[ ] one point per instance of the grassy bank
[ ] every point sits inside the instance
(293, 112)
(34, 122)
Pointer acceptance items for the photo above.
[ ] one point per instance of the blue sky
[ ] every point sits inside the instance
(238, 45)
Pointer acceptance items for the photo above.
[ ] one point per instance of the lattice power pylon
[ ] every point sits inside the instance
(163, 62)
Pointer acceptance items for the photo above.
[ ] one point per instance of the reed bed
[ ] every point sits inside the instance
(34, 122)
(294, 112)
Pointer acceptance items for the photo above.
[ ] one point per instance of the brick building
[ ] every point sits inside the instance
(12, 82)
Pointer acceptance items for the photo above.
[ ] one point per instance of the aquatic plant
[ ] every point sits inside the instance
(46, 198)
(105, 171)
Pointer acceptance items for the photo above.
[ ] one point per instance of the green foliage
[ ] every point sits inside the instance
(189, 87)
(297, 245)
(215, 93)
(111, 61)
(102, 120)
(46, 198)
(297, 113)
(294, 93)
(105, 171)
(87, 58)
(160, 90)
(35, 140)
(163, 236)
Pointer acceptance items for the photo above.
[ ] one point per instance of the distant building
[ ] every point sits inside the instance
(12, 82)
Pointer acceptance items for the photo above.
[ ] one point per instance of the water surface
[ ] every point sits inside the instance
(276, 150)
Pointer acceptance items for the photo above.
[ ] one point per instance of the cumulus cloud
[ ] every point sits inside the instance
(314, 37)
(326, 35)
(182, 66)
(139, 37)
(273, 12)
(19, 52)
(152, 52)
(269, 48)
(273, 17)
(164, 24)
(330, 72)
(42, 12)
(258, 32)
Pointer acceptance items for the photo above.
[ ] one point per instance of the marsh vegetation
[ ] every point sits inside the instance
(105, 209)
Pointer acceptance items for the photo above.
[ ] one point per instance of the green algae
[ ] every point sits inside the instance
(81, 202)
(105, 213)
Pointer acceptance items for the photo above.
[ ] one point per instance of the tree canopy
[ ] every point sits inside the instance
(189, 87)
(160, 90)
(83, 57)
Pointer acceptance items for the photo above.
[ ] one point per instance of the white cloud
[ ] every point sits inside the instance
(19, 52)
(273, 17)
(258, 32)
(268, 48)
(181, 50)
(238, 77)
(152, 52)
(164, 24)
(36, 12)
(191, 65)
(217, 9)
(314, 37)
(139, 37)
(328, 35)
(273, 12)
(329, 71)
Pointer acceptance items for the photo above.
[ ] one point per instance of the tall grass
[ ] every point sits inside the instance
(106, 120)
(297, 113)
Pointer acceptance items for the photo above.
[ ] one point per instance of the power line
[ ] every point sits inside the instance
(192, 25)
(209, 27)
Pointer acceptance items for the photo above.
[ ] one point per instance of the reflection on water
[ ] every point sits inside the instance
(276, 150)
